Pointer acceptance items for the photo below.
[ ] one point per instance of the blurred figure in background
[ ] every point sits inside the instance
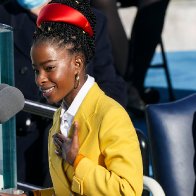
(116, 31)
(32, 130)
(133, 57)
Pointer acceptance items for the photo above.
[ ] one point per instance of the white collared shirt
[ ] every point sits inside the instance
(68, 115)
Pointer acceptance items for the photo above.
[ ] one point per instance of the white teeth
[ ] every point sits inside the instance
(48, 90)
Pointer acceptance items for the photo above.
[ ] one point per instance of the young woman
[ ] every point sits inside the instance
(93, 146)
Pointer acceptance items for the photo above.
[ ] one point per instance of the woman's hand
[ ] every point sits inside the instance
(66, 147)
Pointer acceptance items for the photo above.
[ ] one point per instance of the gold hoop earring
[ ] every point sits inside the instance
(77, 81)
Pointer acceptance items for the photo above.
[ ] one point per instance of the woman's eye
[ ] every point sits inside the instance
(50, 68)
(36, 71)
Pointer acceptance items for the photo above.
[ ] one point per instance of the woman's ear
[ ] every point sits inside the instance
(79, 63)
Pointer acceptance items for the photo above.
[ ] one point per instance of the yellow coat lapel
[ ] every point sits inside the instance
(58, 176)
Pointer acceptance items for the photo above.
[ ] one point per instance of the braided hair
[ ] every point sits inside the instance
(62, 33)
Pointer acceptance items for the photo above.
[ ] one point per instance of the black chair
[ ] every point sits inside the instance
(144, 146)
(164, 65)
(171, 132)
(146, 7)
(151, 186)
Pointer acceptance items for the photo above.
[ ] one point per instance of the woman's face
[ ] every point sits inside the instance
(55, 69)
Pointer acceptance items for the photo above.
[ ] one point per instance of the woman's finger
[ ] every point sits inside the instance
(75, 141)
(58, 152)
(58, 146)
(57, 140)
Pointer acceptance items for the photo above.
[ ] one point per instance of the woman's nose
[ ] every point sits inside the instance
(41, 78)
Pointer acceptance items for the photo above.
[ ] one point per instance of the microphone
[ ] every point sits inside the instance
(11, 102)
(3, 86)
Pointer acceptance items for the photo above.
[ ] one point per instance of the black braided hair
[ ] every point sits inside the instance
(63, 33)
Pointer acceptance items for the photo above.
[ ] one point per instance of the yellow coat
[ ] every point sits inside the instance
(112, 163)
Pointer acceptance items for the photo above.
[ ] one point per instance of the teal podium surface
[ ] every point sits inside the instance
(8, 172)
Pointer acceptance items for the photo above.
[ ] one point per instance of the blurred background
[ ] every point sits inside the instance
(179, 40)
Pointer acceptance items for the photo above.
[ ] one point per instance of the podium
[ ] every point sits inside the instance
(8, 172)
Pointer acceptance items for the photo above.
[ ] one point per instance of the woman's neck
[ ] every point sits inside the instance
(70, 97)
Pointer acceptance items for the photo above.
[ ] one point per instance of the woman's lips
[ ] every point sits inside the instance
(47, 92)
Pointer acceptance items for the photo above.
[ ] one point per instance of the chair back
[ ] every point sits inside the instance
(144, 146)
(170, 131)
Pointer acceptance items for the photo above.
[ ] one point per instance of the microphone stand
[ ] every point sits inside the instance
(40, 109)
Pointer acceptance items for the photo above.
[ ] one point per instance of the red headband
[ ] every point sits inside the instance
(62, 13)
